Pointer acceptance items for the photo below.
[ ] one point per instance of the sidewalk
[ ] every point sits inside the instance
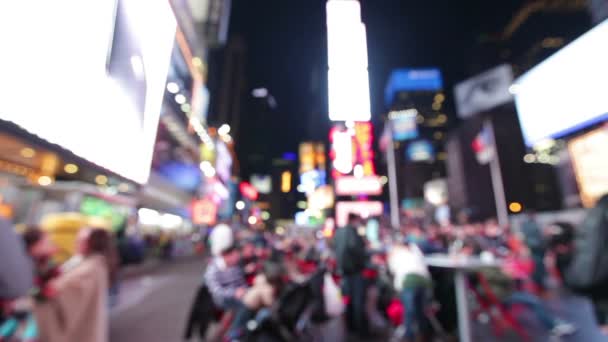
(152, 265)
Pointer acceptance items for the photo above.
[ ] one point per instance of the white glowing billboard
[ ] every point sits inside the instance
(88, 76)
(348, 79)
(567, 91)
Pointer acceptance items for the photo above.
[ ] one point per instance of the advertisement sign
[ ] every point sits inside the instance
(322, 198)
(341, 151)
(483, 92)
(262, 183)
(307, 157)
(348, 80)
(204, 212)
(420, 151)
(404, 125)
(365, 209)
(350, 147)
(412, 80)
(588, 154)
(99, 91)
(566, 92)
(353, 186)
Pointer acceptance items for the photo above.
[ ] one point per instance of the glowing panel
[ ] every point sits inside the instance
(89, 76)
(567, 91)
(348, 79)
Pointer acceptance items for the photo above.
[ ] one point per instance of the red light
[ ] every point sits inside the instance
(248, 191)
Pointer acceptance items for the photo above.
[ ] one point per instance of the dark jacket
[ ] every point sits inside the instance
(588, 269)
(350, 250)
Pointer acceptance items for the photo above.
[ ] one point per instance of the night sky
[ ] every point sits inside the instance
(286, 43)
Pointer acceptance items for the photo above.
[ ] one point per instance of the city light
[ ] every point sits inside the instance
(358, 171)
(259, 92)
(70, 168)
(239, 205)
(280, 230)
(252, 220)
(148, 216)
(180, 99)
(348, 79)
(223, 130)
(173, 87)
(185, 107)
(101, 180)
(515, 207)
(124, 187)
(529, 158)
(27, 152)
(45, 180)
(265, 215)
(383, 180)
(286, 181)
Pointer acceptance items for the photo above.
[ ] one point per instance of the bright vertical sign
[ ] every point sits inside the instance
(348, 80)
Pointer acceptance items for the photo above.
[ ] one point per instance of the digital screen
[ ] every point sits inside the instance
(567, 91)
(89, 76)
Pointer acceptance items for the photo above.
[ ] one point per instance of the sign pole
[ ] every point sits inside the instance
(497, 183)
(392, 179)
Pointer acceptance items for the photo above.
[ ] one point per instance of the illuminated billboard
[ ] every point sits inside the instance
(567, 91)
(588, 153)
(352, 150)
(348, 79)
(88, 76)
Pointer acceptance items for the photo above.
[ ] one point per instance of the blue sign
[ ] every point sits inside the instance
(420, 151)
(412, 80)
(184, 176)
(404, 124)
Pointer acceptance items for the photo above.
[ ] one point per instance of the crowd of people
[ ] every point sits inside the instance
(386, 284)
(258, 282)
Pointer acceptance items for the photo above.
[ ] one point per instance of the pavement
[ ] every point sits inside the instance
(153, 305)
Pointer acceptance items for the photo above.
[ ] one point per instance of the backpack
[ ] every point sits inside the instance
(587, 272)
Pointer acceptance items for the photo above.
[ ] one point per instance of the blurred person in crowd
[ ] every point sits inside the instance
(41, 249)
(413, 282)
(79, 309)
(585, 270)
(351, 260)
(506, 284)
(16, 281)
(534, 240)
(265, 289)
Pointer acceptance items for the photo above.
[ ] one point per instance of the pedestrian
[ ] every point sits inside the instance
(79, 309)
(16, 280)
(533, 238)
(351, 260)
(586, 269)
(413, 282)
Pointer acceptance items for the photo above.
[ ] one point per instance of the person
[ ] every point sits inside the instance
(586, 269)
(413, 281)
(504, 287)
(533, 238)
(266, 287)
(225, 280)
(351, 261)
(41, 249)
(78, 311)
(16, 280)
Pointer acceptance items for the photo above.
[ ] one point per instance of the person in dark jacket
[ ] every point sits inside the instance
(351, 260)
(533, 237)
(587, 269)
